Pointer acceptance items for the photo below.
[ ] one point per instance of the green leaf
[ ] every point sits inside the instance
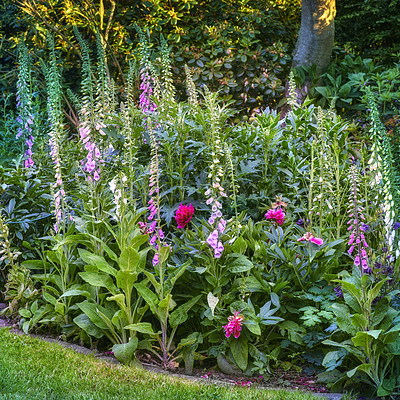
(142, 327)
(180, 315)
(174, 276)
(239, 246)
(49, 298)
(25, 313)
(125, 352)
(240, 264)
(149, 297)
(363, 367)
(153, 281)
(380, 311)
(359, 321)
(98, 279)
(334, 359)
(129, 260)
(98, 261)
(252, 326)
(92, 311)
(126, 280)
(363, 339)
(84, 322)
(342, 313)
(119, 299)
(240, 352)
(76, 292)
(164, 253)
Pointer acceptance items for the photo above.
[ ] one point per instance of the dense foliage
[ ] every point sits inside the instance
(369, 28)
(279, 227)
(141, 216)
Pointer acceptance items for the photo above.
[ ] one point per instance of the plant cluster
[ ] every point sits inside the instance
(175, 237)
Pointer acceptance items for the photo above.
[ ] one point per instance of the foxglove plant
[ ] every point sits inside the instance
(24, 104)
(55, 135)
(153, 225)
(382, 162)
(357, 241)
(90, 116)
(117, 186)
(216, 192)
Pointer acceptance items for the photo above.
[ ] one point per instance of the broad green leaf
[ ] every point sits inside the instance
(240, 352)
(84, 322)
(342, 313)
(92, 311)
(25, 313)
(142, 327)
(153, 280)
(125, 281)
(334, 359)
(125, 352)
(137, 241)
(174, 276)
(363, 367)
(119, 299)
(380, 311)
(98, 279)
(129, 260)
(163, 254)
(359, 321)
(363, 339)
(98, 261)
(240, 264)
(49, 298)
(149, 297)
(180, 315)
(239, 246)
(374, 291)
(252, 326)
(387, 387)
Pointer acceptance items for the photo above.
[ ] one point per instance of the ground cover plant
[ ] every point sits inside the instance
(169, 233)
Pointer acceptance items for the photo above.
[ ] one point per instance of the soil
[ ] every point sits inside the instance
(280, 379)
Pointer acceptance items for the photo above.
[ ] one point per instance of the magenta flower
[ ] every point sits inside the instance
(276, 214)
(309, 237)
(183, 215)
(234, 325)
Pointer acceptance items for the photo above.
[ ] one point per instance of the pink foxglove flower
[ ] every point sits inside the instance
(309, 237)
(234, 325)
(183, 215)
(276, 215)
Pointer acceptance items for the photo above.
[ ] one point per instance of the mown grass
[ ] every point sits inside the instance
(32, 369)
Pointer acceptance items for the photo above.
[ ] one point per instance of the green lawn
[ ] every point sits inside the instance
(34, 369)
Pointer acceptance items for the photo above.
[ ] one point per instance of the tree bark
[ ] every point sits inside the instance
(315, 42)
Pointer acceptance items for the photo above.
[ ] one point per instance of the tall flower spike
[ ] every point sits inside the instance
(357, 242)
(153, 226)
(24, 103)
(56, 136)
(216, 192)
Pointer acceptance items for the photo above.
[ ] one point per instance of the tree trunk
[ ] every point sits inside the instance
(315, 42)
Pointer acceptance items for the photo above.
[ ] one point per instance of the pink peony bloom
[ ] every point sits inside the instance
(234, 325)
(183, 215)
(276, 214)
